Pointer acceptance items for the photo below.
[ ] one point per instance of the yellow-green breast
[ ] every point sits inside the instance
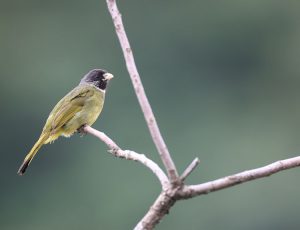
(79, 107)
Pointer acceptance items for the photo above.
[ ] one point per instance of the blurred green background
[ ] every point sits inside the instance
(223, 78)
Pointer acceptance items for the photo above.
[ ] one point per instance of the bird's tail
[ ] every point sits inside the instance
(32, 153)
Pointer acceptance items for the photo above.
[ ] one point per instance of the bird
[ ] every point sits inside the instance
(80, 107)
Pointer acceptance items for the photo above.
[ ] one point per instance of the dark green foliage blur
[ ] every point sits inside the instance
(223, 78)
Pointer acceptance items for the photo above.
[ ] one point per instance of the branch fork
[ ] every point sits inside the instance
(172, 185)
(173, 192)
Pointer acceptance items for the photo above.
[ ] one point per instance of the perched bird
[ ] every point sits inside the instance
(79, 107)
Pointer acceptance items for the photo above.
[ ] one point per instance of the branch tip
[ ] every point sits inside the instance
(190, 169)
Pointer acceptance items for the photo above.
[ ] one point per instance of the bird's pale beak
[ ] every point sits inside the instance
(108, 76)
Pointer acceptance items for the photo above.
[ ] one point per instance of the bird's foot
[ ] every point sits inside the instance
(81, 131)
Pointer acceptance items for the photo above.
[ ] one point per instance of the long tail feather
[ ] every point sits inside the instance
(32, 153)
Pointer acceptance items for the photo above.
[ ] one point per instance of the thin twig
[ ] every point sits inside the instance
(140, 92)
(129, 155)
(190, 169)
(229, 181)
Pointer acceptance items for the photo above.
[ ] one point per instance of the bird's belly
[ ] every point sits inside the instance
(87, 116)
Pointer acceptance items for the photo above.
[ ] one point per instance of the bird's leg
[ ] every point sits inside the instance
(81, 130)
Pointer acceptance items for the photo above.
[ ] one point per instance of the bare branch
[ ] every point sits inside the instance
(229, 181)
(168, 197)
(140, 92)
(190, 169)
(129, 155)
(175, 189)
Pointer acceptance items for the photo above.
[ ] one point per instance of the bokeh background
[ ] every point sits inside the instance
(223, 78)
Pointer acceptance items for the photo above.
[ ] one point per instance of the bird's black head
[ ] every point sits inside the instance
(97, 77)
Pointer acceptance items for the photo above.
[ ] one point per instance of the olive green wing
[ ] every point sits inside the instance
(67, 108)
